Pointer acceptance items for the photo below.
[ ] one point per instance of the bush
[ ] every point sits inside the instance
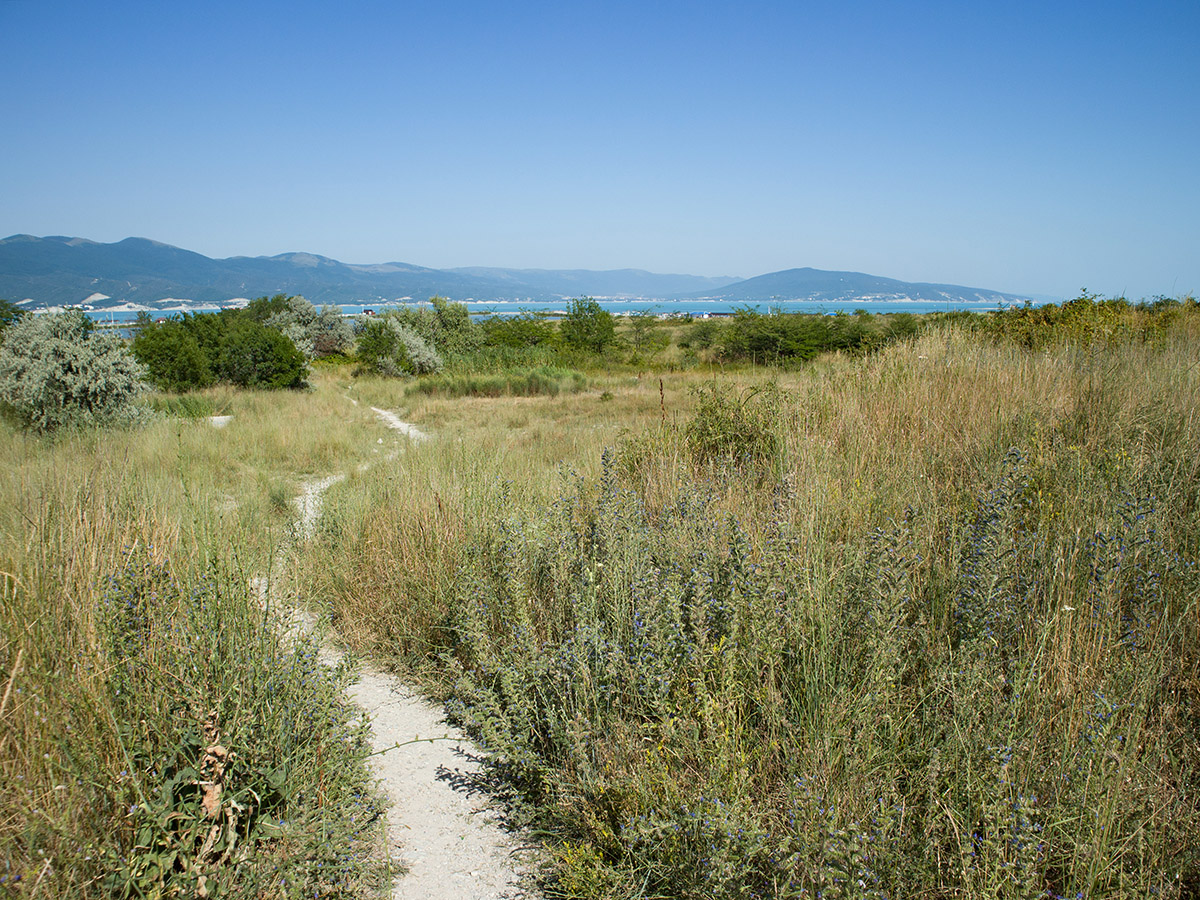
(739, 431)
(526, 329)
(172, 356)
(254, 355)
(57, 370)
(700, 335)
(776, 337)
(1087, 320)
(386, 346)
(330, 333)
(783, 338)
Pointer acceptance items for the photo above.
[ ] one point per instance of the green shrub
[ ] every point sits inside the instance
(774, 338)
(526, 329)
(172, 356)
(56, 370)
(1087, 320)
(261, 309)
(256, 356)
(779, 338)
(233, 346)
(700, 335)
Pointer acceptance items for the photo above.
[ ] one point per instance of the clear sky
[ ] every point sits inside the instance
(1028, 147)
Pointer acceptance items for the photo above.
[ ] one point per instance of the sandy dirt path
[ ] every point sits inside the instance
(440, 827)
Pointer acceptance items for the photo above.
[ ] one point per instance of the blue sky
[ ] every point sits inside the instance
(1029, 147)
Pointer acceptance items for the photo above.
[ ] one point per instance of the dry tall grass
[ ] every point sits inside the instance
(149, 536)
(944, 643)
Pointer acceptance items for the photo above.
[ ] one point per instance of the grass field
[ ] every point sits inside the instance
(919, 622)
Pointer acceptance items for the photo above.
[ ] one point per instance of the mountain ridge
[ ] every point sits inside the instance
(40, 272)
(825, 285)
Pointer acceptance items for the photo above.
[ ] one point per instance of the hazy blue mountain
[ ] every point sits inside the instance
(58, 271)
(617, 283)
(824, 286)
(54, 271)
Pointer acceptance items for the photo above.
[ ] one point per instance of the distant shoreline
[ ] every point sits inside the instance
(667, 308)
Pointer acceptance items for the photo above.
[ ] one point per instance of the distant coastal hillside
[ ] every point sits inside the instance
(136, 273)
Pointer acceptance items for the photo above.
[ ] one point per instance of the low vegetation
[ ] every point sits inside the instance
(158, 735)
(920, 623)
(767, 607)
(542, 381)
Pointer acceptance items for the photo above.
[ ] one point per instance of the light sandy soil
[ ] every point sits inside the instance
(393, 421)
(441, 827)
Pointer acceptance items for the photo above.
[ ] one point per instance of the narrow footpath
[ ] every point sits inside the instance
(441, 830)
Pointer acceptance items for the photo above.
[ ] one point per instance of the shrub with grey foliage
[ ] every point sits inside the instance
(57, 370)
(388, 347)
(315, 333)
(330, 332)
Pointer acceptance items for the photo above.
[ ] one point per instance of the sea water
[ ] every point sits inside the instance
(694, 308)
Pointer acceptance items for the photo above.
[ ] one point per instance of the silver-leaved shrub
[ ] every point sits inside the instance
(57, 370)
(387, 347)
(315, 332)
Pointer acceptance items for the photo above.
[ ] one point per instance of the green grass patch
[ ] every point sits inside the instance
(182, 406)
(541, 382)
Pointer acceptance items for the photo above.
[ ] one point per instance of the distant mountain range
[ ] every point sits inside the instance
(42, 272)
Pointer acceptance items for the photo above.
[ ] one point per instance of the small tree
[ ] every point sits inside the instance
(456, 333)
(315, 333)
(645, 336)
(588, 326)
(57, 370)
(263, 308)
(294, 319)
(443, 325)
(525, 329)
